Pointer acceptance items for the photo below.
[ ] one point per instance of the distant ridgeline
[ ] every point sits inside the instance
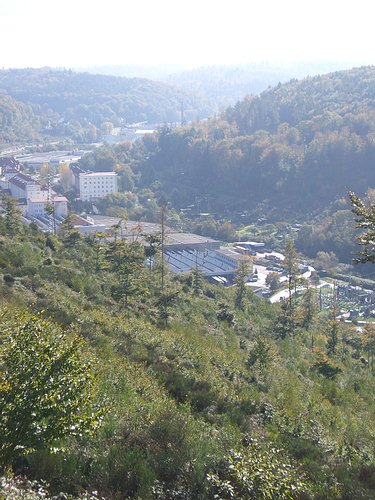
(297, 147)
(79, 105)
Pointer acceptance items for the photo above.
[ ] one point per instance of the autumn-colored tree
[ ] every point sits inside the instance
(65, 175)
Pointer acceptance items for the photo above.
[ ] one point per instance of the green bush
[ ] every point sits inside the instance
(256, 472)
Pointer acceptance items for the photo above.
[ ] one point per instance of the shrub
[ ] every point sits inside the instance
(256, 472)
(46, 387)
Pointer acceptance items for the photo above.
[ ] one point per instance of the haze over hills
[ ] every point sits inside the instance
(223, 84)
(300, 144)
(290, 154)
(65, 103)
(152, 72)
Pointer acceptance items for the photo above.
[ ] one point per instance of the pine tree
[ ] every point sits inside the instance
(154, 242)
(291, 266)
(284, 326)
(12, 215)
(196, 281)
(165, 301)
(368, 344)
(126, 260)
(333, 336)
(333, 326)
(242, 274)
(308, 310)
(50, 210)
(71, 236)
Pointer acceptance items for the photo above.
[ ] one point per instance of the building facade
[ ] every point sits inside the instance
(37, 206)
(96, 185)
(23, 186)
(32, 196)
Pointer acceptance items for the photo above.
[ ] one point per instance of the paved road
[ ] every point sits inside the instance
(284, 294)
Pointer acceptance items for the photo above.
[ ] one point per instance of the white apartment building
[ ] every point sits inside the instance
(37, 206)
(96, 185)
(23, 186)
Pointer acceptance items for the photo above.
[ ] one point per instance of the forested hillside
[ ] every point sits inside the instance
(295, 149)
(17, 121)
(162, 387)
(75, 104)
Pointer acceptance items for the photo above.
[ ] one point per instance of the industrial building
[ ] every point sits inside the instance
(182, 251)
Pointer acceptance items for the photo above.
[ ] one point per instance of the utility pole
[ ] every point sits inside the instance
(334, 325)
(182, 114)
(163, 211)
(51, 204)
(290, 265)
(165, 296)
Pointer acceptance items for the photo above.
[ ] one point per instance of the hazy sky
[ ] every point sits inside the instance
(73, 33)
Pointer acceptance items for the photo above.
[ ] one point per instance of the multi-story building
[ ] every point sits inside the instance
(37, 206)
(94, 185)
(9, 166)
(33, 196)
(23, 186)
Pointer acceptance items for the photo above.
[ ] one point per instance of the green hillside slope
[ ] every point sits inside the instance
(225, 400)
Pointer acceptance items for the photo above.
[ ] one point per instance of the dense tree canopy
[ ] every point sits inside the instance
(18, 122)
(294, 149)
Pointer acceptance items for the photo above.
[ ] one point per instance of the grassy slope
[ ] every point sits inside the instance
(180, 398)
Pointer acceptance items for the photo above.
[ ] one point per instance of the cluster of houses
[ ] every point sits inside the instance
(33, 197)
(362, 300)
